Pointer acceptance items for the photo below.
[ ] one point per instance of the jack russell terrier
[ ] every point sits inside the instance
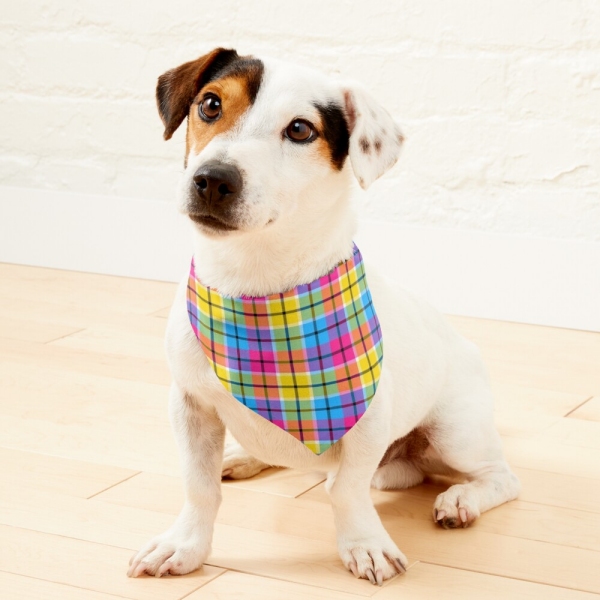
(276, 335)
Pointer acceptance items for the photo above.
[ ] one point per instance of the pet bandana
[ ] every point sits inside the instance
(308, 360)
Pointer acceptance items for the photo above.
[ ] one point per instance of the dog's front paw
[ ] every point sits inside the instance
(172, 553)
(238, 464)
(372, 559)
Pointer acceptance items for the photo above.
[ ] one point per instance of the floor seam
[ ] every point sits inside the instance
(77, 587)
(312, 487)
(62, 337)
(207, 583)
(113, 485)
(544, 583)
(578, 406)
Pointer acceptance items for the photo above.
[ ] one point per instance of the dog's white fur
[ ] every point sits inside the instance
(296, 223)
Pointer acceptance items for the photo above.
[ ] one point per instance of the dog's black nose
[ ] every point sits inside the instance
(217, 182)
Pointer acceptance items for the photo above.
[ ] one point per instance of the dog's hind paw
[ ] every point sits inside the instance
(238, 464)
(456, 507)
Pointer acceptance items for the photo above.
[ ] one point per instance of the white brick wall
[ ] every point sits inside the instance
(500, 99)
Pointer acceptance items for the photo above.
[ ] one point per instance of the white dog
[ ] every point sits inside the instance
(266, 187)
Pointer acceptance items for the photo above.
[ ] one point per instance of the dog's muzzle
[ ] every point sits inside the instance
(216, 187)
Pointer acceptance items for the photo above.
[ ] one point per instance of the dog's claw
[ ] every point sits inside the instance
(354, 569)
(379, 577)
(371, 576)
(401, 568)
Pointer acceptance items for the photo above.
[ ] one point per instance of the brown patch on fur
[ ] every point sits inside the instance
(365, 145)
(350, 110)
(377, 145)
(411, 447)
(177, 88)
(235, 101)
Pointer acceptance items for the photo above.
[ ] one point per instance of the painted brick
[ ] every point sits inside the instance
(499, 99)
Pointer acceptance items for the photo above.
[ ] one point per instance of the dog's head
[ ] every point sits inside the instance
(266, 139)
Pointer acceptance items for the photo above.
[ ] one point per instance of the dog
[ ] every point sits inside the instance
(271, 150)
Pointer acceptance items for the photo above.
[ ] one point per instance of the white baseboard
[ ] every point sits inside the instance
(530, 280)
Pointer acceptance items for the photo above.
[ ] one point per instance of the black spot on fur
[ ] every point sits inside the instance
(335, 132)
(377, 146)
(365, 145)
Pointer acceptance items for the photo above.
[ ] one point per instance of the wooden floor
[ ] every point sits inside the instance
(89, 470)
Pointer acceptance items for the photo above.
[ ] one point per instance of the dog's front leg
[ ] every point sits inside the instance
(184, 547)
(365, 546)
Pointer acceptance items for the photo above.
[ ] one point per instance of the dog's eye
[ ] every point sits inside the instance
(210, 108)
(300, 130)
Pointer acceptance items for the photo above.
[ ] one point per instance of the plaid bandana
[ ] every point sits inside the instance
(308, 360)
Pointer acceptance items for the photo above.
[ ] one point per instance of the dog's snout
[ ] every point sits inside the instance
(216, 182)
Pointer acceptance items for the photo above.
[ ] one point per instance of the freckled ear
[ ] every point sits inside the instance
(375, 138)
(177, 88)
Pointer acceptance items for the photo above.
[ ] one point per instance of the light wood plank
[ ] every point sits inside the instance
(29, 330)
(122, 444)
(556, 359)
(250, 587)
(49, 473)
(90, 566)
(95, 418)
(121, 341)
(555, 489)
(521, 337)
(72, 288)
(426, 581)
(78, 316)
(18, 587)
(75, 397)
(524, 411)
(590, 411)
(80, 361)
(564, 526)
(551, 456)
(573, 432)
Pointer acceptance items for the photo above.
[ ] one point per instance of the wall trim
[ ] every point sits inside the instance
(498, 276)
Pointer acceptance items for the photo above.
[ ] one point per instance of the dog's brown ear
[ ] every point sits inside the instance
(375, 138)
(177, 88)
